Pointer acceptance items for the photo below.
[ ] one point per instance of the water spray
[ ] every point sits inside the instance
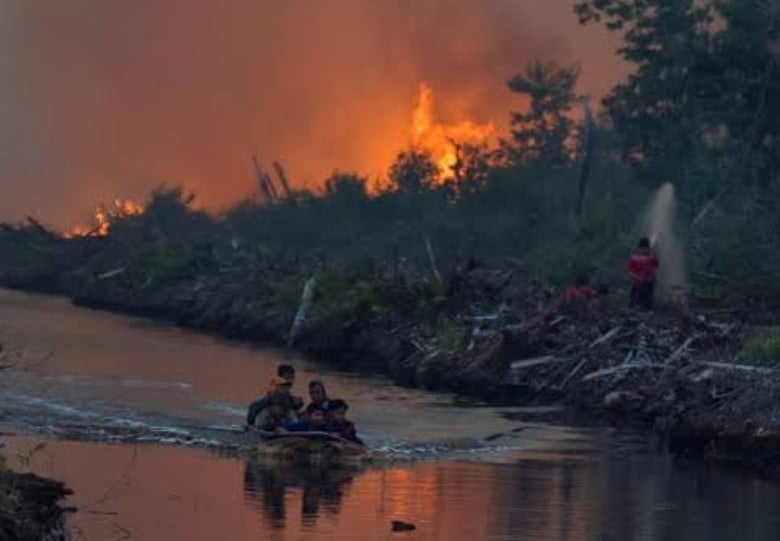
(659, 223)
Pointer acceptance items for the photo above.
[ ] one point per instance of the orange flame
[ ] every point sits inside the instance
(104, 216)
(439, 139)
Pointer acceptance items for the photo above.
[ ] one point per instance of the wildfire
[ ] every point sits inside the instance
(440, 139)
(104, 216)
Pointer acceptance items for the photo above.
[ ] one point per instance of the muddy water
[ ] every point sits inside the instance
(87, 378)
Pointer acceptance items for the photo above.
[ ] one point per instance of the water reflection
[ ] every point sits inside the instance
(168, 493)
(547, 488)
(544, 498)
(322, 488)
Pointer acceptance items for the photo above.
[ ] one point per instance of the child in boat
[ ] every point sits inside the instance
(282, 382)
(316, 421)
(277, 414)
(338, 420)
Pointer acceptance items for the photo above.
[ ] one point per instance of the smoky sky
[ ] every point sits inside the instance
(106, 98)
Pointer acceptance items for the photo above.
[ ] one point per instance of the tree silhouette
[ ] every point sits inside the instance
(543, 133)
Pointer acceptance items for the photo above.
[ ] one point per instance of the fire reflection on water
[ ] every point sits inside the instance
(176, 493)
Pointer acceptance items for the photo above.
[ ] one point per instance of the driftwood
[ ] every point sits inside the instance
(605, 338)
(111, 273)
(619, 369)
(680, 351)
(527, 363)
(574, 372)
(514, 374)
(742, 367)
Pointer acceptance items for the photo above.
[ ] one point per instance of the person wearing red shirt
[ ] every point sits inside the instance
(580, 298)
(641, 267)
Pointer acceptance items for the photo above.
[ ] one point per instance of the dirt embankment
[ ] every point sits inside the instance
(500, 339)
(491, 334)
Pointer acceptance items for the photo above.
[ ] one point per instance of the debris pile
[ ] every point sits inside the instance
(30, 508)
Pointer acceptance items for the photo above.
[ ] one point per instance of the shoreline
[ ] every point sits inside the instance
(680, 387)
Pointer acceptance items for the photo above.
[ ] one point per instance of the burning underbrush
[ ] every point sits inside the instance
(104, 216)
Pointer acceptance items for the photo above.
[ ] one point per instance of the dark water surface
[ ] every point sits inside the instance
(102, 376)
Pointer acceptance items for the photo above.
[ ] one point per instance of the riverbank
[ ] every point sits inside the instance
(30, 507)
(492, 334)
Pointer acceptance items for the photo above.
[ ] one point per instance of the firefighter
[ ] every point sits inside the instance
(641, 267)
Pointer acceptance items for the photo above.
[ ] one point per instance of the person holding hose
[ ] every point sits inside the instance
(641, 267)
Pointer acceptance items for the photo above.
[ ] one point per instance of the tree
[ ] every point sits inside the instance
(347, 185)
(413, 171)
(704, 80)
(544, 132)
(471, 168)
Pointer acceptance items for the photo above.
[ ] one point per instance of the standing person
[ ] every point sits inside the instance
(641, 267)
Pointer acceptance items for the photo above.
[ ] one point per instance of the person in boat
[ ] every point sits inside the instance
(277, 414)
(315, 421)
(340, 426)
(282, 382)
(318, 395)
(641, 268)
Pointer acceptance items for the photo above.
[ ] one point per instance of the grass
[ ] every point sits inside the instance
(450, 335)
(763, 347)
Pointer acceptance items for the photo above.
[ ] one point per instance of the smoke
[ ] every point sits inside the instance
(105, 98)
(660, 224)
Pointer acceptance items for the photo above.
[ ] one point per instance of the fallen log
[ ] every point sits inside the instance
(742, 367)
(574, 372)
(620, 368)
(513, 374)
(111, 273)
(679, 351)
(526, 363)
(606, 337)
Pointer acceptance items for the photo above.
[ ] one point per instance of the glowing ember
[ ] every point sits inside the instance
(439, 139)
(104, 216)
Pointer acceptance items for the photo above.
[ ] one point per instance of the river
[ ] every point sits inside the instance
(126, 410)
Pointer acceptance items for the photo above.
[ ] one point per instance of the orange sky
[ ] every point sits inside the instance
(104, 99)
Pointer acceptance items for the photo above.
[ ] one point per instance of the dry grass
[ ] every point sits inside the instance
(763, 347)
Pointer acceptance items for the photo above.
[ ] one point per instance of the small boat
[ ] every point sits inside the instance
(312, 447)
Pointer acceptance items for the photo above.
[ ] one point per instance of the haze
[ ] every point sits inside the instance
(100, 99)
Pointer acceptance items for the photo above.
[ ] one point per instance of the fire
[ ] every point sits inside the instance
(440, 139)
(104, 216)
